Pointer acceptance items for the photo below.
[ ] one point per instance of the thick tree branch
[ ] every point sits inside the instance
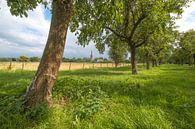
(116, 33)
(136, 25)
(143, 42)
(158, 51)
(126, 16)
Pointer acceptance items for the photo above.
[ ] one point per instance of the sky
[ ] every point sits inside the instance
(27, 36)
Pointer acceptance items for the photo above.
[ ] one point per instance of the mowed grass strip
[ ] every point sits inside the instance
(107, 98)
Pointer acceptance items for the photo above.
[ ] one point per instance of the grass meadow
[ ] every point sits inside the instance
(104, 98)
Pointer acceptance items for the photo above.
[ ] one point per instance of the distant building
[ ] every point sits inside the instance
(100, 60)
(91, 56)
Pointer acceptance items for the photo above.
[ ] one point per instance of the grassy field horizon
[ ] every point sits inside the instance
(104, 98)
(64, 65)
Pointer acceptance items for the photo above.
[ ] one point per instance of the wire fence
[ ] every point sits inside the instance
(63, 66)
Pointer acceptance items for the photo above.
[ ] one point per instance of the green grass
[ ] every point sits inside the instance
(110, 98)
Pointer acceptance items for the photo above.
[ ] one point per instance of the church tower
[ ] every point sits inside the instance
(91, 56)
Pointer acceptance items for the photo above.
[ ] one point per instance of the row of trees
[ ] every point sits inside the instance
(184, 49)
(21, 59)
(170, 47)
(135, 23)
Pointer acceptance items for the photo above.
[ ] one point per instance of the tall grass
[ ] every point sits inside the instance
(109, 98)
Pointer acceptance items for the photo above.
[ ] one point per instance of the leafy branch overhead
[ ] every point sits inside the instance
(124, 18)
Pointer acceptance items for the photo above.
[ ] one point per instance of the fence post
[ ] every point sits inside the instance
(22, 65)
(70, 66)
(93, 66)
(10, 66)
(83, 65)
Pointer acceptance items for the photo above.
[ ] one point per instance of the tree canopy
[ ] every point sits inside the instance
(132, 21)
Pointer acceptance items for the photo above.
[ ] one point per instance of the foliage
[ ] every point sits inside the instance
(34, 59)
(158, 46)
(122, 18)
(23, 59)
(89, 104)
(184, 48)
(21, 7)
(5, 59)
(132, 22)
(117, 51)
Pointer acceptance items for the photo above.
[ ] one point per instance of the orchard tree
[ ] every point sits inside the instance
(117, 51)
(184, 48)
(178, 56)
(40, 89)
(160, 42)
(34, 59)
(132, 21)
(187, 43)
(23, 59)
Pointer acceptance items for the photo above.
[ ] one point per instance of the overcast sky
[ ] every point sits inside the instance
(27, 36)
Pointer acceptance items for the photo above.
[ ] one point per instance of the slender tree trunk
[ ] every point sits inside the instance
(10, 66)
(147, 61)
(153, 63)
(156, 62)
(147, 64)
(160, 62)
(116, 64)
(194, 61)
(40, 89)
(189, 62)
(182, 62)
(133, 60)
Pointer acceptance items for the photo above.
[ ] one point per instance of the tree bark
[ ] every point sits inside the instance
(147, 64)
(189, 62)
(156, 62)
(133, 60)
(194, 61)
(147, 61)
(40, 89)
(116, 64)
(153, 63)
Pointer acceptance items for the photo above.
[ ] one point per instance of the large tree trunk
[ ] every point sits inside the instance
(133, 60)
(40, 89)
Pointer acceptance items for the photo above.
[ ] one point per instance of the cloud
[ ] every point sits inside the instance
(27, 36)
(22, 36)
(188, 18)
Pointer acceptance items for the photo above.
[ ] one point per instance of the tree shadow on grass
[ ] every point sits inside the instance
(165, 91)
(168, 95)
(14, 82)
